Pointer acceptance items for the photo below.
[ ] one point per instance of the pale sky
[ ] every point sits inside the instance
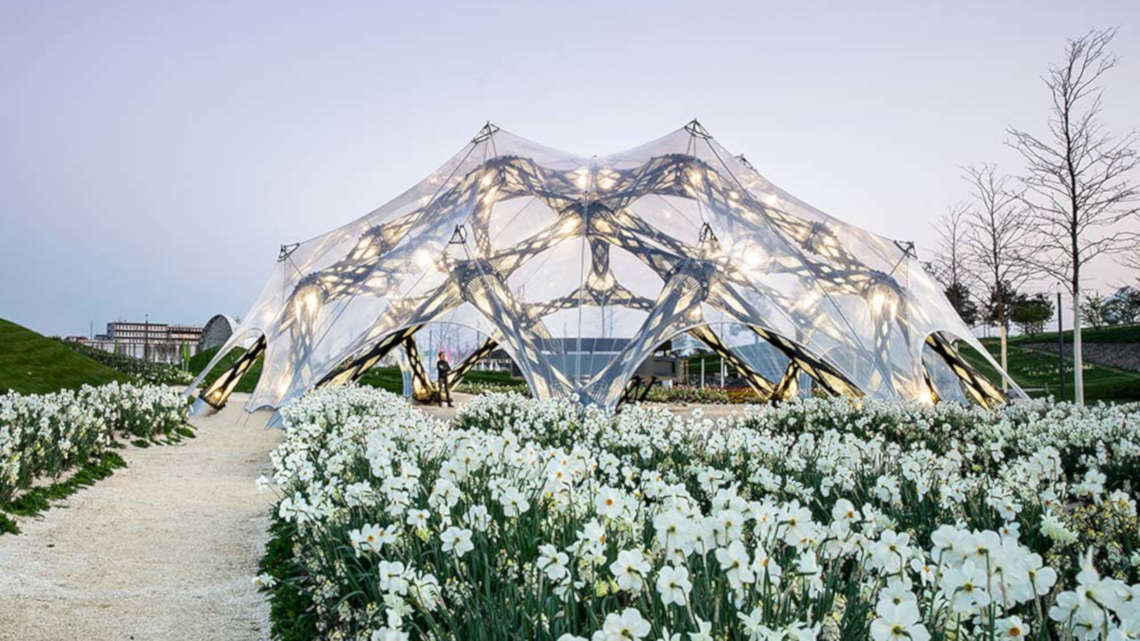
(154, 155)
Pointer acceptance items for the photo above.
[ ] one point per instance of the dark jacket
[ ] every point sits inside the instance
(443, 368)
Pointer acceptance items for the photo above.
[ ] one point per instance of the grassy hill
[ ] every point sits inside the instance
(31, 363)
(1038, 370)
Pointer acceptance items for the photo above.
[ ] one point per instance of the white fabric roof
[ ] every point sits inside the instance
(529, 245)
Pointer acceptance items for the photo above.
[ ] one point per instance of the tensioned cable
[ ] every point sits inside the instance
(538, 268)
(525, 364)
(295, 267)
(491, 139)
(549, 255)
(498, 234)
(586, 202)
(700, 209)
(449, 318)
(690, 150)
(681, 267)
(775, 230)
(354, 345)
(679, 211)
(797, 252)
(494, 299)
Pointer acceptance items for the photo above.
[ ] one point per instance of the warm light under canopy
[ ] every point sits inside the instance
(548, 255)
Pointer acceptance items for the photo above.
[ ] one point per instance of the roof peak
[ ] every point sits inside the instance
(695, 128)
(485, 132)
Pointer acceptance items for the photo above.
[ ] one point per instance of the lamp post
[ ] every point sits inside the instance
(1060, 347)
(146, 337)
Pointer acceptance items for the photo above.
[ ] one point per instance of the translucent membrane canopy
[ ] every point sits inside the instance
(579, 268)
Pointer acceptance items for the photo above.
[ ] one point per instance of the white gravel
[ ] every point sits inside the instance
(164, 549)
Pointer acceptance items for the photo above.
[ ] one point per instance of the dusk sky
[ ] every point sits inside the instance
(155, 155)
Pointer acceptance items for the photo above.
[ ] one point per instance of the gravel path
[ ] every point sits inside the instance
(164, 549)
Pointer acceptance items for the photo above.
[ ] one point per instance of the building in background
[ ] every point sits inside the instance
(497, 361)
(589, 355)
(154, 342)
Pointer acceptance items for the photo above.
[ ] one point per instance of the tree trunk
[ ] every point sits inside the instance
(1004, 358)
(1078, 364)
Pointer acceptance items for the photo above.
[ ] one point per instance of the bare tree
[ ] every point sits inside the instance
(995, 243)
(950, 254)
(1132, 258)
(949, 265)
(1078, 178)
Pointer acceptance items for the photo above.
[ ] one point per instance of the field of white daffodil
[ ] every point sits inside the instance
(816, 520)
(45, 435)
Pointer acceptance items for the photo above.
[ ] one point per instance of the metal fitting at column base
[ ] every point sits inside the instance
(202, 408)
(276, 420)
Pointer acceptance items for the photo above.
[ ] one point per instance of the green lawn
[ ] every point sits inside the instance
(1119, 334)
(1037, 370)
(385, 378)
(199, 361)
(34, 364)
(389, 378)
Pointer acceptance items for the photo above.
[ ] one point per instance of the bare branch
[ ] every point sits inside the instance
(1079, 181)
(950, 259)
(997, 234)
(1131, 258)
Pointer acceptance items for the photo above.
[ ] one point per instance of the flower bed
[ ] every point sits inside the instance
(476, 388)
(44, 435)
(706, 396)
(538, 520)
(141, 370)
(689, 394)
